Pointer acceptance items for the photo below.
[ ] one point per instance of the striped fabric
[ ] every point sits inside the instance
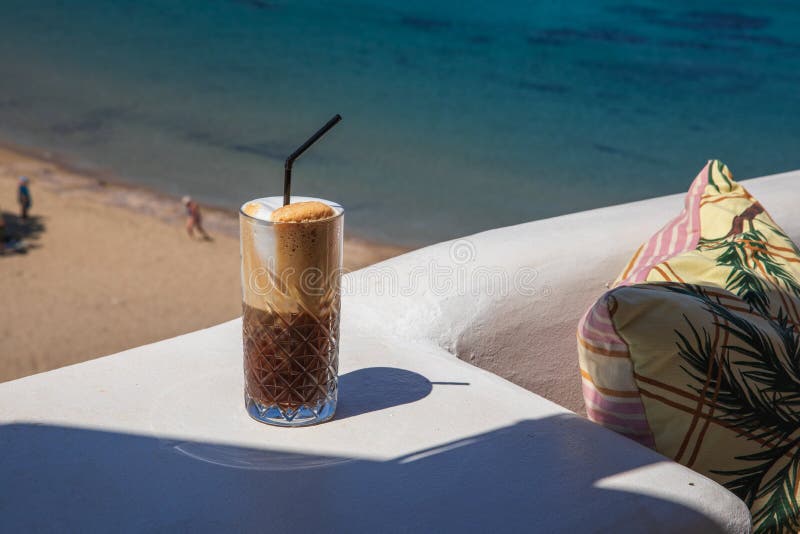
(612, 399)
(695, 351)
(679, 235)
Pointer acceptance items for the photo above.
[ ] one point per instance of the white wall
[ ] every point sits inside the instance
(529, 339)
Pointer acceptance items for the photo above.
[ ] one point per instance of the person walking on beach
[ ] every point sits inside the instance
(194, 219)
(24, 197)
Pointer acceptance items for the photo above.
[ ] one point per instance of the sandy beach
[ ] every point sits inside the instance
(109, 267)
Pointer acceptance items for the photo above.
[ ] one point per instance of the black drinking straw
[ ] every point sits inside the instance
(287, 170)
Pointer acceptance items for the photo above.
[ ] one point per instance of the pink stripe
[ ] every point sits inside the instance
(602, 341)
(690, 208)
(694, 232)
(681, 241)
(663, 250)
(685, 228)
(605, 404)
(633, 426)
(668, 233)
(600, 319)
(604, 333)
(647, 254)
(683, 238)
(660, 244)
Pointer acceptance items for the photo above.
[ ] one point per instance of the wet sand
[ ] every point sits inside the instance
(110, 267)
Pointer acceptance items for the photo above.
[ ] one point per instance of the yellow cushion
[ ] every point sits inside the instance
(696, 350)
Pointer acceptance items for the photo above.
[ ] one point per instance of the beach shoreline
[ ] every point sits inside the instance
(108, 266)
(64, 174)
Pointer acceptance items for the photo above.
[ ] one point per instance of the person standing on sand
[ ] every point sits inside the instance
(24, 197)
(194, 218)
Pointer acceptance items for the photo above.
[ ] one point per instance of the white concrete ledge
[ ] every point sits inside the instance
(530, 339)
(156, 438)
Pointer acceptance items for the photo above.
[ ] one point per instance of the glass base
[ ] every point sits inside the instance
(305, 416)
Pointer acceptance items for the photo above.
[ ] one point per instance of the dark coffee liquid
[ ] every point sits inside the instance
(290, 359)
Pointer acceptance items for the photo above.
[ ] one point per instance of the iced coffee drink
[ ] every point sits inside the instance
(291, 274)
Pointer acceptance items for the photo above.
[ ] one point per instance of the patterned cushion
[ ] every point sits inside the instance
(696, 350)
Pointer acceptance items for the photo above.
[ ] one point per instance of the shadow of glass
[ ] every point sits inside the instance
(536, 475)
(376, 388)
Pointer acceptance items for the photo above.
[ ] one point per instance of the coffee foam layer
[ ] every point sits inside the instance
(263, 208)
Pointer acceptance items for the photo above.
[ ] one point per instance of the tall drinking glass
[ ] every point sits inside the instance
(291, 276)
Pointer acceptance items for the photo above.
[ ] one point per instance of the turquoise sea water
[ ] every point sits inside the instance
(458, 115)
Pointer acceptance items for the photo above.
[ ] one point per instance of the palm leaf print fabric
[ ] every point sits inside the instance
(695, 351)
